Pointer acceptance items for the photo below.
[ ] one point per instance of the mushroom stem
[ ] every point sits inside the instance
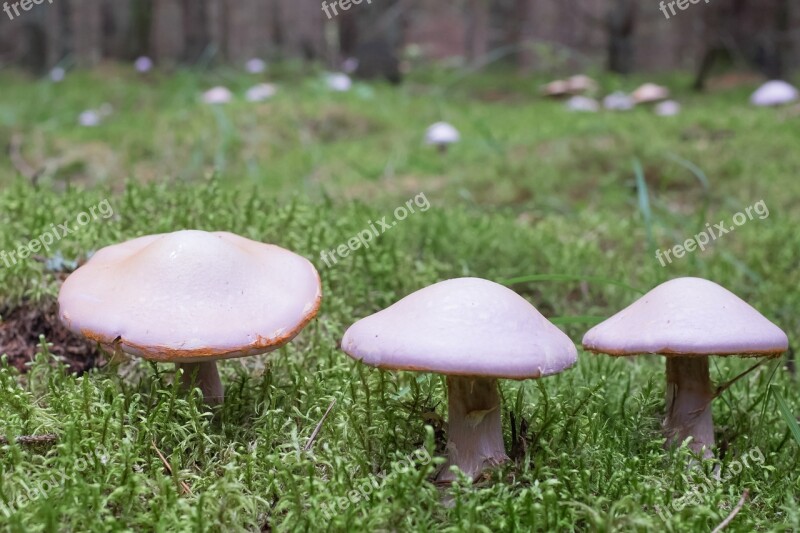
(689, 396)
(475, 435)
(205, 377)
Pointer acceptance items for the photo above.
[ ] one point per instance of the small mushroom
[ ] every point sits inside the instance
(143, 64)
(650, 93)
(618, 101)
(441, 135)
(774, 93)
(581, 84)
(668, 108)
(217, 96)
(583, 104)
(556, 89)
(474, 332)
(260, 92)
(686, 320)
(191, 298)
(255, 65)
(58, 74)
(338, 82)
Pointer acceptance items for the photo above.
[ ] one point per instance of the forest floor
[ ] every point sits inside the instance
(578, 201)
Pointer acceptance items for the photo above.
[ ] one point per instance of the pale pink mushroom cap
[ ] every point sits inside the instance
(688, 316)
(191, 296)
(774, 93)
(650, 92)
(463, 327)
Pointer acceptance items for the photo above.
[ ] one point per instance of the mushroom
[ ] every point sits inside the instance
(58, 74)
(686, 320)
(441, 135)
(474, 332)
(255, 65)
(556, 89)
(192, 298)
(649, 93)
(90, 118)
(583, 104)
(581, 84)
(618, 101)
(217, 96)
(668, 108)
(261, 92)
(774, 93)
(338, 82)
(143, 64)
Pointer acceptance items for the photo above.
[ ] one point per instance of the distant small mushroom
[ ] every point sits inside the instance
(474, 332)
(581, 84)
(618, 101)
(217, 96)
(556, 89)
(774, 93)
(191, 298)
(255, 65)
(668, 108)
(441, 135)
(143, 64)
(650, 93)
(58, 74)
(90, 118)
(687, 320)
(583, 104)
(339, 82)
(261, 92)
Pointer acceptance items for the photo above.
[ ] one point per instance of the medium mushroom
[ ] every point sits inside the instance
(441, 135)
(338, 82)
(191, 298)
(260, 92)
(474, 332)
(668, 108)
(618, 101)
(650, 93)
(143, 64)
(687, 320)
(583, 104)
(774, 93)
(217, 96)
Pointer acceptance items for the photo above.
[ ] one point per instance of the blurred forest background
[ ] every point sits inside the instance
(626, 35)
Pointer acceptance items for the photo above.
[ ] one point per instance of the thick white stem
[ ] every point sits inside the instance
(475, 433)
(689, 397)
(205, 377)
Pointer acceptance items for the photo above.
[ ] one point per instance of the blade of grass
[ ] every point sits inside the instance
(644, 202)
(783, 407)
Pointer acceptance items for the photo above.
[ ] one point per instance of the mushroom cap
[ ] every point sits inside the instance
(339, 82)
(463, 327)
(619, 101)
(217, 95)
(650, 92)
(261, 92)
(191, 296)
(255, 65)
(556, 88)
(442, 133)
(581, 84)
(583, 104)
(687, 316)
(773, 93)
(668, 108)
(143, 64)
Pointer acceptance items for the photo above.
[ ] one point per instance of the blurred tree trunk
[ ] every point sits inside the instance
(167, 34)
(87, 31)
(523, 33)
(198, 29)
(302, 31)
(621, 23)
(477, 44)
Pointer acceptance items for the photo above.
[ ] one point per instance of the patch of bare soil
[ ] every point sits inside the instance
(21, 327)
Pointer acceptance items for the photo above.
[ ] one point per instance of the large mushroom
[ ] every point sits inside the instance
(774, 93)
(687, 320)
(191, 298)
(475, 332)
